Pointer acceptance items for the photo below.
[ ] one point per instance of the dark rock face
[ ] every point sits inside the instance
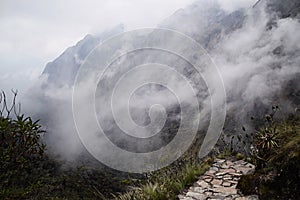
(208, 24)
(205, 22)
(63, 69)
(284, 9)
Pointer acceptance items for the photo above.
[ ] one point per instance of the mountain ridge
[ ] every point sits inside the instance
(255, 51)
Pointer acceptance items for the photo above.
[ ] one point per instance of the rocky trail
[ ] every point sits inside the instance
(220, 182)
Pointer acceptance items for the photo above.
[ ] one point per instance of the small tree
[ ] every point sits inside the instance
(21, 149)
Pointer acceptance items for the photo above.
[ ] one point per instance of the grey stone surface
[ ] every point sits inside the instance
(220, 182)
(196, 195)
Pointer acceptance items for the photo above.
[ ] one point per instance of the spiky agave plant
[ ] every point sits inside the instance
(266, 139)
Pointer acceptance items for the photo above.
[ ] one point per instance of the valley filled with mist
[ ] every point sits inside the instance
(128, 109)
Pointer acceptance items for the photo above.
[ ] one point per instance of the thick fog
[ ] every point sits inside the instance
(256, 52)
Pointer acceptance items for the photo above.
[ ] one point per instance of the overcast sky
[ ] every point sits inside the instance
(34, 32)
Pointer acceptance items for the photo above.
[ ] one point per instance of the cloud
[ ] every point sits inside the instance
(232, 5)
(35, 32)
(256, 64)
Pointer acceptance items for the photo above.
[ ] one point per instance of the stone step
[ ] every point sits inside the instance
(220, 182)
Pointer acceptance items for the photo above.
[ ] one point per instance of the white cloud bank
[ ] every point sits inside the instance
(35, 32)
(232, 5)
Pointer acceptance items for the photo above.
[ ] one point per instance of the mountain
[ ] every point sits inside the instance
(63, 69)
(257, 51)
(284, 9)
(205, 22)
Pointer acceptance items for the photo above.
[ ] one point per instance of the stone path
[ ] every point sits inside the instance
(220, 182)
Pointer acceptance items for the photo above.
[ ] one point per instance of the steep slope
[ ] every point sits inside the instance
(205, 22)
(257, 53)
(63, 69)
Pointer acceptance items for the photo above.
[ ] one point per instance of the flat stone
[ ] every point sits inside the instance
(217, 186)
(205, 177)
(214, 168)
(225, 190)
(220, 182)
(236, 174)
(210, 172)
(233, 182)
(229, 163)
(220, 160)
(220, 173)
(226, 184)
(219, 196)
(239, 162)
(208, 180)
(198, 190)
(196, 195)
(250, 165)
(203, 184)
(210, 175)
(188, 198)
(216, 182)
(244, 170)
(208, 193)
(225, 166)
(230, 170)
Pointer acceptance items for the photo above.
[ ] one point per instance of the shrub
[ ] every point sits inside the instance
(167, 182)
(265, 142)
(21, 149)
(277, 176)
(256, 146)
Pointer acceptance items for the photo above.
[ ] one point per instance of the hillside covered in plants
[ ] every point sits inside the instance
(146, 114)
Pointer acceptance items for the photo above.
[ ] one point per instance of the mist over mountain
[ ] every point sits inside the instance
(257, 51)
(63, 69)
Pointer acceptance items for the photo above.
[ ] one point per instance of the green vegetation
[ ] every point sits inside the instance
(27, 172)
(278, 161)
(168, 182)
(21, 150)
(274, 149)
